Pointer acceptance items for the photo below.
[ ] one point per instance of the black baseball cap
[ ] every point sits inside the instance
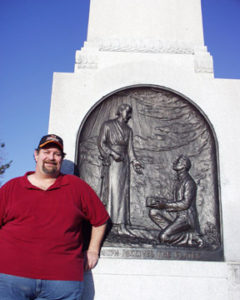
(51, 139)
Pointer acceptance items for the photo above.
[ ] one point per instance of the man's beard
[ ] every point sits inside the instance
(51, 170)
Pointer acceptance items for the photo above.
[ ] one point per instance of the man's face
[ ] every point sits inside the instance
(49, 160)
(126, 114)
(179, 164)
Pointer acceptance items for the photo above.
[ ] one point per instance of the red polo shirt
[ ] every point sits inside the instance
(40, 231)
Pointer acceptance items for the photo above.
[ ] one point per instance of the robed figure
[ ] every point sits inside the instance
(115, 145)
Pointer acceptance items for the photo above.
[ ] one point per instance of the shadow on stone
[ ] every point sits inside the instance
(67, 167)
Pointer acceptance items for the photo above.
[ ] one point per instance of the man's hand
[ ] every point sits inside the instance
(157, 203)
(90, 259)
(137, 166)
(92, 254)
(161, 204)
(117, 157)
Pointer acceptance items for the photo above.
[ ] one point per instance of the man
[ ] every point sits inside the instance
(115, 145)
(41, 217)
(180, 214)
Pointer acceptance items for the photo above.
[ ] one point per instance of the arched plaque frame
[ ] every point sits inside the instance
(165, 124)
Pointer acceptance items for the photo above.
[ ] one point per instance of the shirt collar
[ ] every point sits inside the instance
(61, 180)
(182, 176)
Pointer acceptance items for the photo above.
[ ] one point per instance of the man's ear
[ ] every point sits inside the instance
(36, 153)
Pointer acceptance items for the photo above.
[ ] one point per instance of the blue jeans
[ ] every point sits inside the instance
(21, 288)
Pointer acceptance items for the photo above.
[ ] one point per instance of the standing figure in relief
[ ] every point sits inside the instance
(115, 144)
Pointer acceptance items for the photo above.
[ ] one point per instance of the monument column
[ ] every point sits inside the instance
(149, 26)
(150, 56)
(166, 21)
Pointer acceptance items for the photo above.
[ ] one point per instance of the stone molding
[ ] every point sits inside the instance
(87, 57)
(145, 46)
(86, 60)
(203, 62)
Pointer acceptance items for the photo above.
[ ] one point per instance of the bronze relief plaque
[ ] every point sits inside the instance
(151, 156)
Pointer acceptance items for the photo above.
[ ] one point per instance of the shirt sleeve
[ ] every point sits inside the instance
(3, 198)
(92, 206)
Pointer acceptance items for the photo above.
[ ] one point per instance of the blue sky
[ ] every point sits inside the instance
(39, 37)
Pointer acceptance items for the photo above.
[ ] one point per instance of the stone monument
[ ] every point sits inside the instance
(147, 125)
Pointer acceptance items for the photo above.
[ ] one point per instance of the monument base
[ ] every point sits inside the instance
(124, 279)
